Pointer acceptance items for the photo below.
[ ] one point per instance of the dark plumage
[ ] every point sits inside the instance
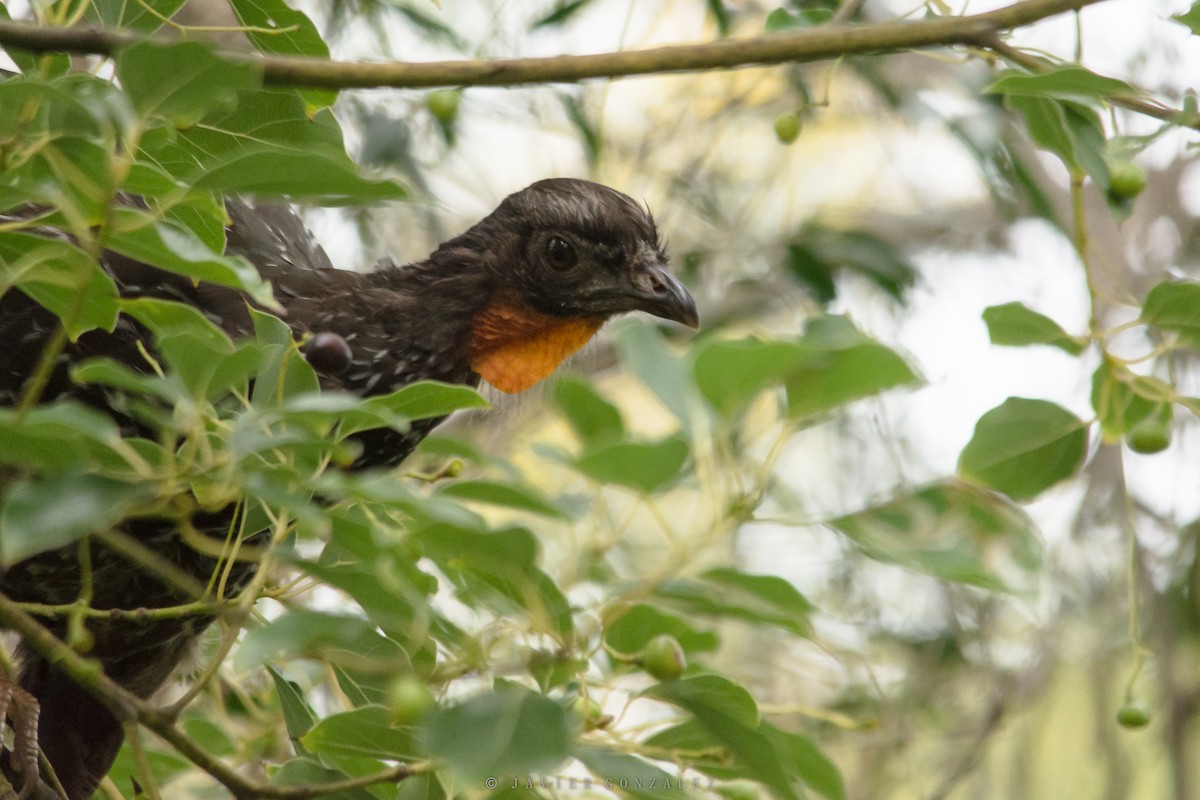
(506, 300)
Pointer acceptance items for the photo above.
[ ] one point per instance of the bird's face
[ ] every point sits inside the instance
(589, 250)
(576, 254)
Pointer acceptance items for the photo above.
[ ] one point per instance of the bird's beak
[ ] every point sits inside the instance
(658, 292)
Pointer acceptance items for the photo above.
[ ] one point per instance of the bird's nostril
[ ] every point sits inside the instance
(657, 284)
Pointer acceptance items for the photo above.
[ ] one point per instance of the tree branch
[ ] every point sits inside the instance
(1149, 108)
(128, 707)
(801, 46)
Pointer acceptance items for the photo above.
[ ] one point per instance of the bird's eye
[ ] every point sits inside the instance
(560, 254)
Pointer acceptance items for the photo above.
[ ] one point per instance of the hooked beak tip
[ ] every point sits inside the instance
(664, 296)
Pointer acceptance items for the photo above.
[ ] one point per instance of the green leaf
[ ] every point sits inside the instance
(594, 419)
(950, 530)
(562, 11)
(801, 757)
(60, 277)
(645, 467)
(164, 766)
(1071, 131)
(585, 125)
(60, 437)
(173, 247)
(630, 775)
(832, 364)
(730, 374)
(784, 19)
(190, 345)
(167, 318)
(429, 399)
(110, 372)
(1023, 447)
(29, 106)
(509, 732)
(818, 253)
(1175, 306)
(180, 82)
(498, 569)
(1190, 18)
(298, 717)
(729, 715)
(720, 16)
(144, 16)
(269, 21)
(696, 746)
(1063, 83)
(430, 27)
(842, 365)
(711, 692)
(209, 735)
(363, 732)
(728, 593)
(284, 372)
(508, 495)
(1016, 324)
(387, 589)
(267, 144)
(629, 633)
(52, 511)
(339, 638)
(298, 176)
(1122, 398)
(644, 353)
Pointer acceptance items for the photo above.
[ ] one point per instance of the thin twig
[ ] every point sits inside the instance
(1136, 104)
(128, 707)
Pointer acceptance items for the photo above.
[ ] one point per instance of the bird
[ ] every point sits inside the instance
(504, 302)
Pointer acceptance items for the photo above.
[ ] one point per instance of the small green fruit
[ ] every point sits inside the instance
(443, 104)
(587, 709)
(1151, 435)
(787, 127)
(663, 658)
(1126, 180)
(590, 712)
(1133, 715)
(408, 700)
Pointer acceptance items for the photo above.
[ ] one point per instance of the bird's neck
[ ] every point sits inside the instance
(513, 346)
(505, 341)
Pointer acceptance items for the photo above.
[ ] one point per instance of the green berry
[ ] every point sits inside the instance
(443, 104)
(590, 712)
(663, 658)
(787, 127)
(1126, 180)
(408, 700)
(1151, 435)
(1133, 715)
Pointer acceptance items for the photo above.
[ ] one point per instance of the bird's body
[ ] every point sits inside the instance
(507, 300)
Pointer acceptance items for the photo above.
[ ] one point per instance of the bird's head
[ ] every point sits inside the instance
(565, 256)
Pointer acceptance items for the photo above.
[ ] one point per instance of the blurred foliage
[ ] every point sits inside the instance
(524, 596)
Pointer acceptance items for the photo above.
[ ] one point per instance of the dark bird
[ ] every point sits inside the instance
(505, 302)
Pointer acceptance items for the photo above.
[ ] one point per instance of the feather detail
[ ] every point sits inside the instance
(514, 346)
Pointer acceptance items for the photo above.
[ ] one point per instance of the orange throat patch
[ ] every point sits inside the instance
(513, 346)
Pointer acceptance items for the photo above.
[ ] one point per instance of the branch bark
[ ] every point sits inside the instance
(128, 707)
(801, 46)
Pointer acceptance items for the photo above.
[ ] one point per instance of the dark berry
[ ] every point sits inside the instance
(328, 353)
